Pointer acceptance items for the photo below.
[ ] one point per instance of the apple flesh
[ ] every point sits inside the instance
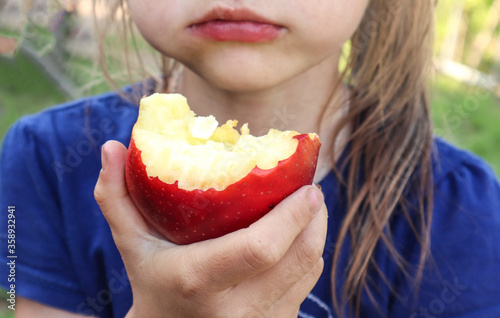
(194, 180)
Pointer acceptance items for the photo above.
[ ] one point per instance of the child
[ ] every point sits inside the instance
(413, 225)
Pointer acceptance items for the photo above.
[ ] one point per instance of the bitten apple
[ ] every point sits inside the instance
(194, 180)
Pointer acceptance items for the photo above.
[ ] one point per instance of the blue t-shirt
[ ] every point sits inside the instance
(66, 257)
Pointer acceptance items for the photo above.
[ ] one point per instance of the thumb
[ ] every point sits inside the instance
(113, 198)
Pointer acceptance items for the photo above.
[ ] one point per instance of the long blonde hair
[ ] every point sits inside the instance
(390, 144)
(387, 71)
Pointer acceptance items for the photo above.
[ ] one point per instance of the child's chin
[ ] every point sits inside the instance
(242, 82)
(244, 85)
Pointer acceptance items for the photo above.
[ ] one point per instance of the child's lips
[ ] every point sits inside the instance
(239, 31)
(240, 25)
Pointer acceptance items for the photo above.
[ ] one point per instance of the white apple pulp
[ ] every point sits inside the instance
(178, 146)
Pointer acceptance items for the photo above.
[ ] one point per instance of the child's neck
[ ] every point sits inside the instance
(295, 105)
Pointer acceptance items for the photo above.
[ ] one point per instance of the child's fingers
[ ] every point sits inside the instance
(301, 257)
(112, 195)
(227, 261)
(302, 288)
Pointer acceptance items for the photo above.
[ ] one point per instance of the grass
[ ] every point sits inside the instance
(5, 312)
(468, 117)
(24, 89)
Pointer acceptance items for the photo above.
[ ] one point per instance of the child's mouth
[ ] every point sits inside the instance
(238, 25)
(238, 31)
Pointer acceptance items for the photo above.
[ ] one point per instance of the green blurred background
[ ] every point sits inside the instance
(59, 64)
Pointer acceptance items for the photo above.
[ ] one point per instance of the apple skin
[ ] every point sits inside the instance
(185, 217)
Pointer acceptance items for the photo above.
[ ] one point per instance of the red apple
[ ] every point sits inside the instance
(193, 180)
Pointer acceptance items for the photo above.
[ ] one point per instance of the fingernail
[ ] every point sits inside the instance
(104, 157)
(314, 198)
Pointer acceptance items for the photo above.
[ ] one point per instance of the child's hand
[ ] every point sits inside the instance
(266, 270)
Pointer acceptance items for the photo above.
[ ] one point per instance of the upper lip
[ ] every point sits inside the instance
(227, 14)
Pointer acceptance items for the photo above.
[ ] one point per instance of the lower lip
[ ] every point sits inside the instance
(237, 31)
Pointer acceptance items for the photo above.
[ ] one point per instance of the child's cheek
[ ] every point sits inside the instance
(157, 21)
(334, 19)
